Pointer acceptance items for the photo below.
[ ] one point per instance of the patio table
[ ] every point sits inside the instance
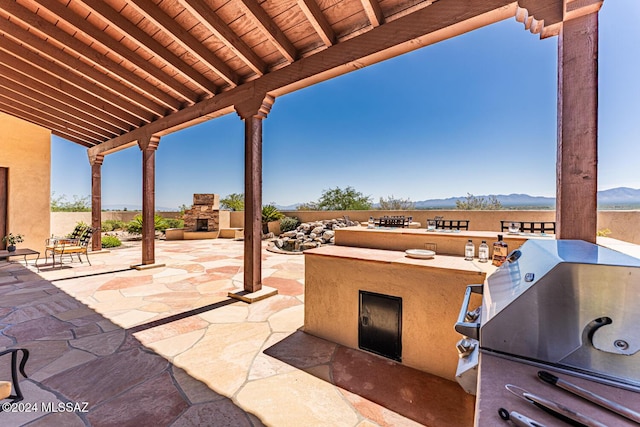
(4, 255)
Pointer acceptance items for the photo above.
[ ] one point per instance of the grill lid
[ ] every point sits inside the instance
(567, 303)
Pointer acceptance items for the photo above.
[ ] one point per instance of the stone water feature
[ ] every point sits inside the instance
(309, 235)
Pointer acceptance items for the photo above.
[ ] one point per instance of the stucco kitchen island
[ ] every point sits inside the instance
(429, 292)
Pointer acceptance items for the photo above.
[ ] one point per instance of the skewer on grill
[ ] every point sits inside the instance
(559, 411)
(518, 419)
(590, 396)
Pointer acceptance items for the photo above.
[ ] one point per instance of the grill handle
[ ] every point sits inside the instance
(468, 329)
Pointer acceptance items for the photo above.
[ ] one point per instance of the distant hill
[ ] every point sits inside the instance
(507, 200)
(614, 198)
(621, 197)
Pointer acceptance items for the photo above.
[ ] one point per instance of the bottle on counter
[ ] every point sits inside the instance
(469, 250)
(500, 251)
(483, 252)
(370, 224)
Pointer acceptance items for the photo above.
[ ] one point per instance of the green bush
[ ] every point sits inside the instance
(112, 224)
(135, 225)
(288, 223)
(110, 242)
(174, 223)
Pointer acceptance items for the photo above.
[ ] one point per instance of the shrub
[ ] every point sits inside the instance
(110, 242)
(174, 223)
(112, 224)
(234, 202)
(288, 223)
(135, 225)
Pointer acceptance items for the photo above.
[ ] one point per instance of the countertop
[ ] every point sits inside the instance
(387, 256)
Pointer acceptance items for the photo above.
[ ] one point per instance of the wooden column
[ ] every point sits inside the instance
(577, 165)
(148, 146)
(253, 112)
(96, 200)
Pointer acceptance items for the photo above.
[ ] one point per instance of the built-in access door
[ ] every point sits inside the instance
(4, 192)
(380, 325)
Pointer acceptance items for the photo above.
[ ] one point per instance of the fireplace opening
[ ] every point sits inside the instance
(202, 225)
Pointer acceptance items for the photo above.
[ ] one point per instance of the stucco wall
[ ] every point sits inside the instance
(624, 225)
(25, 149)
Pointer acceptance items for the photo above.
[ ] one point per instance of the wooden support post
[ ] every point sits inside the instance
(253, 112)
(148, 146)
(96, 200)
(577, 165)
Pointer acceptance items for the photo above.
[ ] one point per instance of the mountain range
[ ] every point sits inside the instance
(614, 198)
(620, 197)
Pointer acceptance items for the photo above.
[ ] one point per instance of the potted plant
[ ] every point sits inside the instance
(269, 214)
(12, 239)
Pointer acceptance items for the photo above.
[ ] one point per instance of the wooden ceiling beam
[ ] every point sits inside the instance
(440, 21)
(186, 40)
(202, 11)
(320, 24)
(154, 100)
(148, 43)
(63, 94)
(25, 112)
(74, 70)
(270, 30)
(108, 102)
(41, 102)
(373, 11)
(98, 36)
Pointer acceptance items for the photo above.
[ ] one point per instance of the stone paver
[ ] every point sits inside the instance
(138, 349)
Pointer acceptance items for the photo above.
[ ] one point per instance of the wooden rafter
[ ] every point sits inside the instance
(373, 11)
(57, 124)
(116, 20)
(141, 106)
(98, 36)
(208, 17)
(186, 40)
(40, 101)
(38, 80)
(158, 101)
(132, 116)
(270, 30)
(314, 15)
(105, 72)
(65, 94)
(365, 49)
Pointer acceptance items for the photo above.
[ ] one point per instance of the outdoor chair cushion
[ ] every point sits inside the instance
(73, 249)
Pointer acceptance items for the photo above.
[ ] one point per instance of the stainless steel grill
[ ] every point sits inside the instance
(566, 303)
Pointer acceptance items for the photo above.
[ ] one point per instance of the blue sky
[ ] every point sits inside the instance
(434, 123)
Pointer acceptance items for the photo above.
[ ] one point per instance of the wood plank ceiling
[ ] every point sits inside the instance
(102, 73)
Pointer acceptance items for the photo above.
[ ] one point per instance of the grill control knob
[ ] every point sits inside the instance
(472, 316)
(465, 346)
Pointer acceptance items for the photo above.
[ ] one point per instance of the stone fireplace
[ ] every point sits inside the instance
(204, 215)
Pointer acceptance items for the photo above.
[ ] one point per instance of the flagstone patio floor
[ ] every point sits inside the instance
(167, 347)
